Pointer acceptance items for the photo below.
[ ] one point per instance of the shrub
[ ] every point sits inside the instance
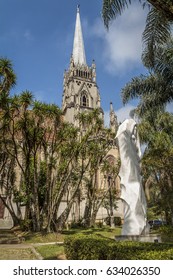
(76, 225)
(94, 247)
(166, 233)
(99, 224)
(85, 247)
(117, 221)
(26, 224)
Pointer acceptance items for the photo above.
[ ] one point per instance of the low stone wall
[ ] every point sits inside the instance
(142, 238)
(6, 223)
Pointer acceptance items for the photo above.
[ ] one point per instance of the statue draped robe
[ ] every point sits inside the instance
(132, 193)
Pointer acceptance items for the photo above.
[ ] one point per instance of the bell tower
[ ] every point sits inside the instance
(80, 90)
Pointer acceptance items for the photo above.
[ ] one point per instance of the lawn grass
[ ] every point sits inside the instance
(42, 237)
(104, 231)
(51, 252)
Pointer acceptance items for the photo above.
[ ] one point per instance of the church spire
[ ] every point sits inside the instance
(78, 44)
(113, 119)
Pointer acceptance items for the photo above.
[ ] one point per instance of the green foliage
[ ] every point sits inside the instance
(81, 247)
(26, 224)
(117, 221)
(76, 225)
(166, 233)
(93, 247)
(157, 162)
(7, 76)
(50, 252)
(157, 32)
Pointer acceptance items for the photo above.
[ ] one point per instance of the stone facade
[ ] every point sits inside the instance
(81, 94)
(80, 91)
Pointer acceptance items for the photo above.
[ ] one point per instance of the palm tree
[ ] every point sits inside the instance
(112, 8)
(7, 76)
(154, 90)
(157, 32)
(157, 161)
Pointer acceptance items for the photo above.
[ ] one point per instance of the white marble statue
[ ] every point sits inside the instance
(132, 192)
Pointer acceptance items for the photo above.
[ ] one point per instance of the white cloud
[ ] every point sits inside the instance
(28, 35)
(169, 107)
(123, 41)
(123, 113)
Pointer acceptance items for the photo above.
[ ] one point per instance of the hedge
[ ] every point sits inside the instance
(95, 247)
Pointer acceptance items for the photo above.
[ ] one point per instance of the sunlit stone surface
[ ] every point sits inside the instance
(132, 193)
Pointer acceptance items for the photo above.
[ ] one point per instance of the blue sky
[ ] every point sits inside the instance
(37, 36)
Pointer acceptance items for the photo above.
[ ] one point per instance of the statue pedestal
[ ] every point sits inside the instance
(153, 238)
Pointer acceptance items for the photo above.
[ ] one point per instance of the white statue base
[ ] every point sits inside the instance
(153, 238)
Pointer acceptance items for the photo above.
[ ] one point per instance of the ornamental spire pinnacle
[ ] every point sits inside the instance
(78, 44)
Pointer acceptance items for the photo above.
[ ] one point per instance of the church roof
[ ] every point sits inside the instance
(78, 43)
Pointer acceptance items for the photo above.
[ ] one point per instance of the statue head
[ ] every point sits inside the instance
(129, 128)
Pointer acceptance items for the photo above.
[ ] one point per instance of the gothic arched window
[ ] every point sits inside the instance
(84, 101)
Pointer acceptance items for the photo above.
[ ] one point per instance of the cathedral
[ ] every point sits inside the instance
(81, 94)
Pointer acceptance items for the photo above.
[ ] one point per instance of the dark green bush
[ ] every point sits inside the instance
(76, 225)
(94, 247)
(86, 247)
(166, 233)
(117, 221)
(26, 224)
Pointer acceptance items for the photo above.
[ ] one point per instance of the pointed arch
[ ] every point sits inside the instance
(84, 100)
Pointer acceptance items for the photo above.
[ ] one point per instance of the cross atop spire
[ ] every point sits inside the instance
(78, 44)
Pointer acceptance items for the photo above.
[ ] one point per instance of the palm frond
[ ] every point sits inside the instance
(112, 8)
(7, 75)
(166, 7)
(138, 86)
(157, 32)
(153, 92)
(164, 62)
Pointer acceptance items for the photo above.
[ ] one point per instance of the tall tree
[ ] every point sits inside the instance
(157, 162)
(7, 76)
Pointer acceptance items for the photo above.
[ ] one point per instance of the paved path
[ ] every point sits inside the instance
(32, 247)
(12, 241)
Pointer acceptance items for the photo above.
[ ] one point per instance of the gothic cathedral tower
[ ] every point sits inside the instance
(80, 91)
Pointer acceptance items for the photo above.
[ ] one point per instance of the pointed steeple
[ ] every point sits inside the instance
(113, 119)
(78, 44)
